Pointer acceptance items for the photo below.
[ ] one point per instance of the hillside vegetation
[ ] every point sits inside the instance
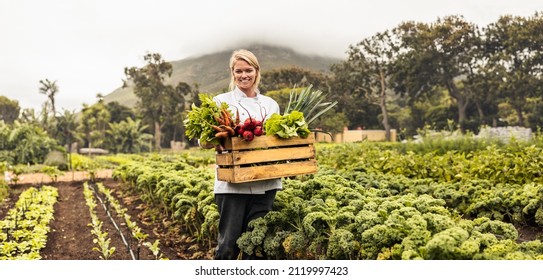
(210, 71)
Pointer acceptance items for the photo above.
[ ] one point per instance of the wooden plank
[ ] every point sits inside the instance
(269, 155)
(264, 172)
(266, 141)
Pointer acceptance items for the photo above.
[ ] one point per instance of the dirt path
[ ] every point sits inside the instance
(70, 237)
(70, 176)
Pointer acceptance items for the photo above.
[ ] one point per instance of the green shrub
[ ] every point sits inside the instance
(56, 159)
(4, 191)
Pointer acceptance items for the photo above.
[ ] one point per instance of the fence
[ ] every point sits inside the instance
(348, 136)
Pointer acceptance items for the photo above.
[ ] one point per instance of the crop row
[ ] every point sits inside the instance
(179, 189)
(99, 195)
(510, 164)
(100, 237)
(330, 217)
(135, 231)
(23, 232)
(370, 202)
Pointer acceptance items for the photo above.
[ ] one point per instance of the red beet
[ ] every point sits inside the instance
(248, 135)
(248, 124)
(239, 130)
(258, 131)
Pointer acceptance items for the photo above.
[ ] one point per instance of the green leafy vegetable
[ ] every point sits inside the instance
(287, 125)
(199, 120)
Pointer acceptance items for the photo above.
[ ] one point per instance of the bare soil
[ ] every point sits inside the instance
(70, 237)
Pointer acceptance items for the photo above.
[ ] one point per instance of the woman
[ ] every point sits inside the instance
(239, 203)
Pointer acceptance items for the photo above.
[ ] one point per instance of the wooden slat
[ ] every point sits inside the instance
(261, 156)
(266, 141)
(264, 172)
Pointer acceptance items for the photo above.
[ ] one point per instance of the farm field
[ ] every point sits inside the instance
(70, 235)
(366, 202)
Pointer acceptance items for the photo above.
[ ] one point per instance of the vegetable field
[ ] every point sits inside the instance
(77, 233)
(367, 201)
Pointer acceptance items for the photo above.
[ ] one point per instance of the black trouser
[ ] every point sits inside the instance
(236, 211)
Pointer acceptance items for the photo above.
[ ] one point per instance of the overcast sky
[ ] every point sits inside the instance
(85, 45)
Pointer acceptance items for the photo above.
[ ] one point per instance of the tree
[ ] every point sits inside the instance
(119, 112)
(372, 61)
(514, 47)
(67, 132)
(174, 110)
(437, 55)
(151, 90)
(9, 110)
(94, 123)
(50, 89)
(28, 115)
(289, 77)
(29, 143)
(128, 136)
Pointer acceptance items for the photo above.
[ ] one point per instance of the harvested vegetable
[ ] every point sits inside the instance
(250, 128)
(287, 125)
(309, 102)
(210, 122)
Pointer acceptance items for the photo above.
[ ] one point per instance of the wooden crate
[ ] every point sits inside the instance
(266, 157)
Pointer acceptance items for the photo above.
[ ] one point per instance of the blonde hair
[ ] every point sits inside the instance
(248, 57)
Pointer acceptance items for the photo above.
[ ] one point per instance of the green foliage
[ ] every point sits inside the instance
(66, 127)
(332, 122)
(23, 232)
(199, 120)
(4, 191)
(56, 159)
(287, 125)
(280, 78)
(309, 102)
(159, 103)
(94, 124)
(176, 186)
(360, 206)
(53, 172)
(128, 136)
(9, 110)
(25, 143)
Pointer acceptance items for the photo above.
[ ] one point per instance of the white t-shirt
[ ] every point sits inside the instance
(259, 107)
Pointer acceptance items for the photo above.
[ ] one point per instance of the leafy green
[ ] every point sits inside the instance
(199, 120)
(287, 125)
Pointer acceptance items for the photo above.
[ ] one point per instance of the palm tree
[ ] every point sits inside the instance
(50, 89)
(67, 133)
(129, 136)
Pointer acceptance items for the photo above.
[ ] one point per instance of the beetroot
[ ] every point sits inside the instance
(248, 124)
(258, 130)
(239, 130)
(248, 135)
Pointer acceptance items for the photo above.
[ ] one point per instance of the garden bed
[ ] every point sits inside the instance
(70, 237)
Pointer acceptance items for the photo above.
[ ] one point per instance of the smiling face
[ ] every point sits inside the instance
(244, 77)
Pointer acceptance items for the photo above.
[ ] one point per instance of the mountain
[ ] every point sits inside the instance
(211, 71)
